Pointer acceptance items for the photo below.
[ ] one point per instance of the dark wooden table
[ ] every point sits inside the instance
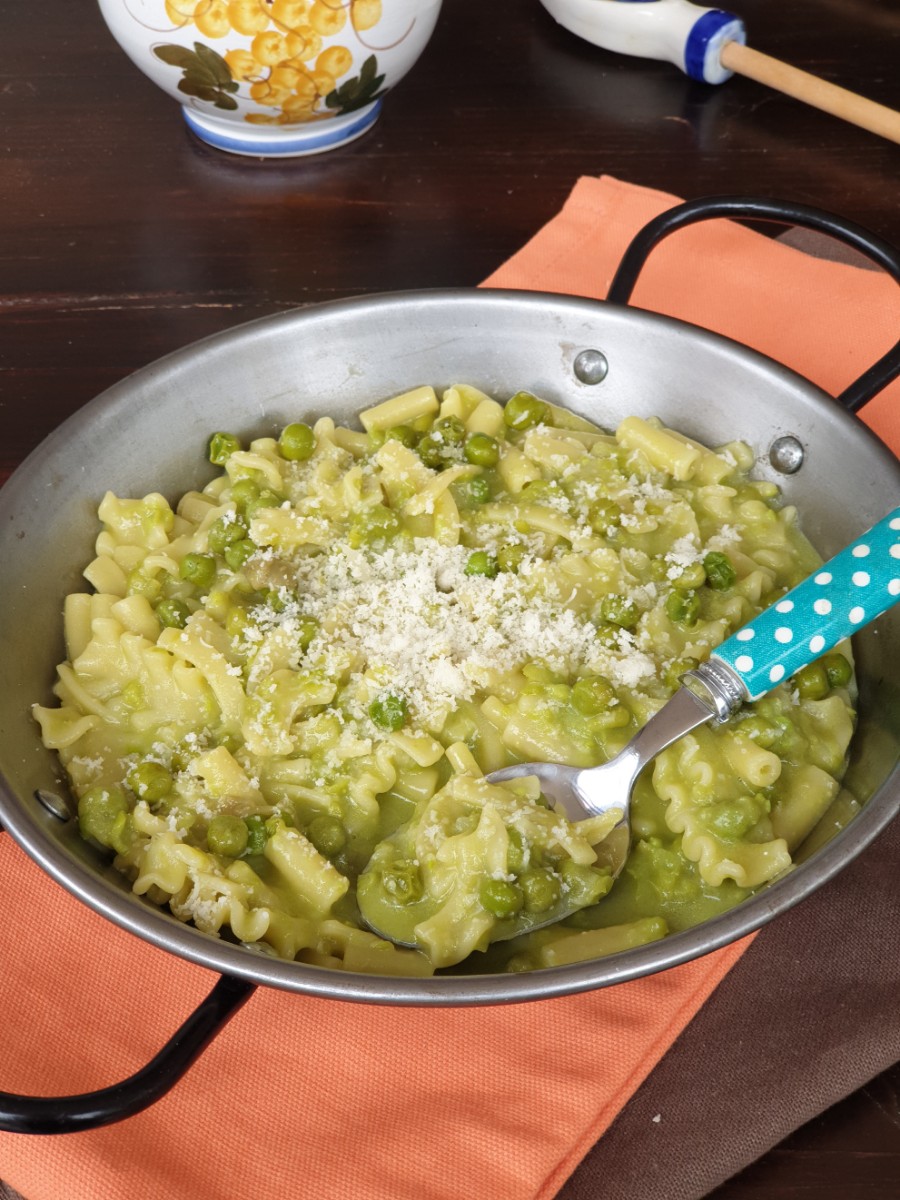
(122, 238)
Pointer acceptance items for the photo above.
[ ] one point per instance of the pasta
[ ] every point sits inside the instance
(281, 698)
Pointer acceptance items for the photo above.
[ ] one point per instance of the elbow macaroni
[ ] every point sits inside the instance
(280, 700)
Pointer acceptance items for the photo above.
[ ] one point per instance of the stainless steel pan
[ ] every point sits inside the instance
(603, 360)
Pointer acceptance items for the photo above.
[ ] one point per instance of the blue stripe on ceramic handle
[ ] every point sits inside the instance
(853, 588)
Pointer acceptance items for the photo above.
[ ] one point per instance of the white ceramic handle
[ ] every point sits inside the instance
(674, 31)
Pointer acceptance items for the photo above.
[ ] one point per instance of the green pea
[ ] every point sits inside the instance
(450, 431)
(759, 730)
(592, 695)
(838, 669)
(520, 963)
(619, 611)
(238, 552)
(238, 620)
(221, 447)
(403, 434)
(482, 562)
(477, 491)
(609, 635)
(173, 613)
(482, 450)
(225, 532)
(257, 835)
(103, 815)
(327, 834)
(198, 569)
(584, 885)
(150, 781)
(541, 889)
(373, 525)
(431, 451)
(683, 607)
(403, 882)
(245, 492)
(307, 628)
(720, 574)
(297, 442)
(389, 711)
(603, 515)
(692, 576)
(811, 682)
(267, 498)
(524, 411)
(227, 835)
(500, 898)
(142, 584)
(509, 558)
(677, 668)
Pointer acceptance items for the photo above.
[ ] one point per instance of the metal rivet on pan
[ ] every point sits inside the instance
(591, 366)
(54, 804)
(786, 454)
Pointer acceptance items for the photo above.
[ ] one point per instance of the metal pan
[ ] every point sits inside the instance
(603, 360)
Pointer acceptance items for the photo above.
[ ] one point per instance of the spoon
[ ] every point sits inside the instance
(846, 593)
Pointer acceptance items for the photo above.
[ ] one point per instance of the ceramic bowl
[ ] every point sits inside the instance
(274, 78)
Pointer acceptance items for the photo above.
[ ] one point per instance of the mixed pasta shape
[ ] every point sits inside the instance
(280, 699)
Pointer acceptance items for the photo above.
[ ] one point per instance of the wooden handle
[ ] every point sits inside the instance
(877, 118)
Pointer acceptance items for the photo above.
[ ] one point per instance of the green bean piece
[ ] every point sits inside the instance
(811, 682)
(541, 889)
(225, 532)
(103, 814)
(604, 515)
(297, 442)
(482, 562)
(618, 610)
(150, 781)
(327, 834)
(592, 695)
(501, 899)
(509, 558)
(482, 450)
(172, 613)
(524, 411)
(403, 882)
(720, 574)
(477, 491)
(683, 607)
(227, 835)
(198, 569)
(837, 668)
(403, 434)
(221, 447)
(389, 711)
(238, 552)
(677, 668)
(257, 835)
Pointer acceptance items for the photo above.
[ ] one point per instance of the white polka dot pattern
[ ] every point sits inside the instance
(818, 613)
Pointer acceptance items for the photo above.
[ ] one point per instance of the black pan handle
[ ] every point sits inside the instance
(749, 208)
(74, 1114)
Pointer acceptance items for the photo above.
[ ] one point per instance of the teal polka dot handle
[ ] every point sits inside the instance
(849, 591)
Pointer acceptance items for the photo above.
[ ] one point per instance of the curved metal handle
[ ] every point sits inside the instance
(878, 376)
(90, 1110)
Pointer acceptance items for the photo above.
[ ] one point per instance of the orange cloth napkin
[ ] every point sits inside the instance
(309, 1098)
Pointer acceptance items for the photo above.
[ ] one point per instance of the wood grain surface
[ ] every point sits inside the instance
(122, 237)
